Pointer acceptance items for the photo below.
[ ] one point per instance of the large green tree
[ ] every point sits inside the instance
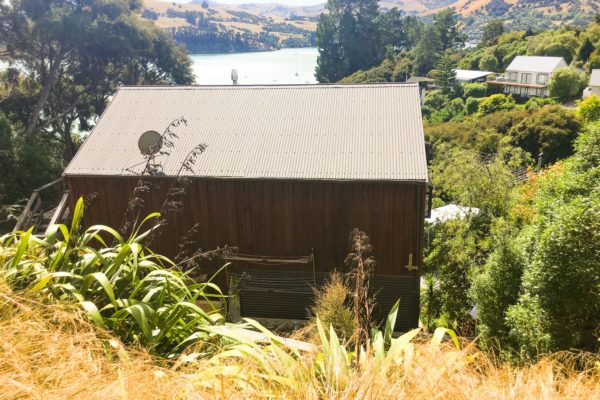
(348, 38)
(73, 54)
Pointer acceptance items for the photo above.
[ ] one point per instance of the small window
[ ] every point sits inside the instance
(542, 79)
(526, 78)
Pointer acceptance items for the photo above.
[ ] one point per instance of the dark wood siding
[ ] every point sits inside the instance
(278, 218)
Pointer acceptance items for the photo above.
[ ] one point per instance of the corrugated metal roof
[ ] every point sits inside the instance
(306, 132)
(467, 74)
(595, 78)
(536, 64)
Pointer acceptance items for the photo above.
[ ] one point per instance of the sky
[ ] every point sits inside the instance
(288, 2)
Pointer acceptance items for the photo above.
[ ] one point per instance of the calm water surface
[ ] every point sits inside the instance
(286, 66)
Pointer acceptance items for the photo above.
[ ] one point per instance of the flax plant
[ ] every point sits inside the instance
(140, 296)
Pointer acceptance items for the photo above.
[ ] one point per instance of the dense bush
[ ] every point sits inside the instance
(589, 109)
(558, 304)
(550, 130)
(495, 103)
(567, 84)
(474, 90)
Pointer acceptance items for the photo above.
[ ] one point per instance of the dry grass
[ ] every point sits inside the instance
(51, 352)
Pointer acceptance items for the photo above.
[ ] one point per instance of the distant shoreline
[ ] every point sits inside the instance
(208, 53)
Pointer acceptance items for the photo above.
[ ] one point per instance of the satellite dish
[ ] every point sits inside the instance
(150, 143)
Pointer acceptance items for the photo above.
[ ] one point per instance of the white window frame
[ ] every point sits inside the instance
(542, 81)
(526, 78)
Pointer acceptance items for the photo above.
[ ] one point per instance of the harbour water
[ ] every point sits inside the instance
(285, 66)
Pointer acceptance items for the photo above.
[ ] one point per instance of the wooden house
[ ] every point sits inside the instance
(288, 172)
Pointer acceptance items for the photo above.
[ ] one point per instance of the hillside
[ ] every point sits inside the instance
(523, 14)
(230, 28)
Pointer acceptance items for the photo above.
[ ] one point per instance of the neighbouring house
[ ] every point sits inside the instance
(529, 76)
(594, 85)
(471, 76)
(288, 172)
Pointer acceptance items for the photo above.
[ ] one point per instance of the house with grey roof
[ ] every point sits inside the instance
(284, 175)
(529, 76)
(471, 76)
(594, 85)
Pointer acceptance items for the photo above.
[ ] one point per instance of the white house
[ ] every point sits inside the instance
(594, 86)
(529, 76)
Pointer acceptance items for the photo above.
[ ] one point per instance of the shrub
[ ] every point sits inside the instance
(472, 105)
(488, 63)
(589, 109)
(497, 287)
(567, 84)
(474, 90)
(495, 103)
(535, 103)
(126, 288)
(331, 306)
(550, 130)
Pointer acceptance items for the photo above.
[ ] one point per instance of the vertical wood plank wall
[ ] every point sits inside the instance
(278, 218)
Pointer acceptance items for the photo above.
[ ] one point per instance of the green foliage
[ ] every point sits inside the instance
(25, 164)
(585, 50)
(488, 63)
(444, 74)
(540, 290)
(567, 84)
(126, 288)
(497, 286)
(472, 105)
(589, 109)
(474, 90)
(561, 43)
(331, 306)
(495, 103)
(550, 130)
(349, 38)
(491, 32)
(535, 103)
(435, 39)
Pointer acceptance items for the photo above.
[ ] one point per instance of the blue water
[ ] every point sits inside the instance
(286, 66)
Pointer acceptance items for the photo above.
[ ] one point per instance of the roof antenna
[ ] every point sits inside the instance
(234, 76)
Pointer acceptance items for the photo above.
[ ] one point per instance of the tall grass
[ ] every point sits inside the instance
(138, 295)
(52, 352)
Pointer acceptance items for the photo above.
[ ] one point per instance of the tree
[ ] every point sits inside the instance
(436, 38)
(331, 64)
(491, 32)
(559, 302)
(446, 23)
(550, 130)
(589, 109)
(495, 103)
(566, 84)
(428, 50)
(204, 4)
(445, 74)
(488, 63)
(586, 50)
(349, 38)
(77, 52)
(474, 90)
